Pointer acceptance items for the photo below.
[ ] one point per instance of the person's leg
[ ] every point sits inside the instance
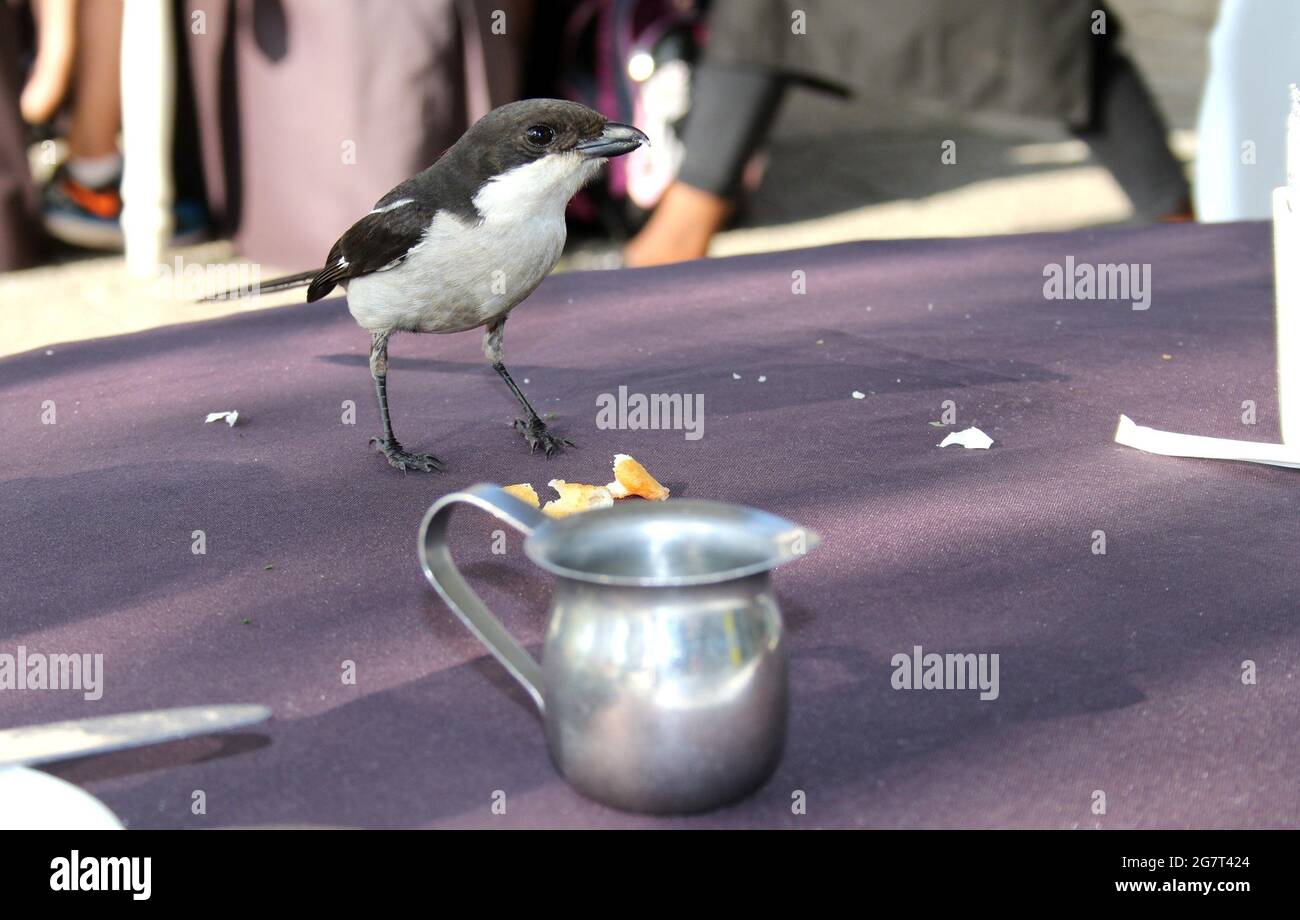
(732, 109)
(97, 103)
(83, 203)
(56, 44)
(1128, 136)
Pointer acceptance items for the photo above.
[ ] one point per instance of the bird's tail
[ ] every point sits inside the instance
(270, 287)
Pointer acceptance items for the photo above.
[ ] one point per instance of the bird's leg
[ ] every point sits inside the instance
(532, 427)
(387, 445)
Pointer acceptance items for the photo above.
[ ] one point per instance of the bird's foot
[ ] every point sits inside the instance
(538, 435)
(403, 459)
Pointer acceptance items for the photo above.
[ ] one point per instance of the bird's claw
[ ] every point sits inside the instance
(402, 459)
(538, 435)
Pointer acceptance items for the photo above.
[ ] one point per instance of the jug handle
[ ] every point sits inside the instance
(435, 559)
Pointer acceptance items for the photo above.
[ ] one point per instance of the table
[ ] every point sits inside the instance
(1119, 673)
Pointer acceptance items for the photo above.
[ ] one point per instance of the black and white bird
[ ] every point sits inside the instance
(460, 244)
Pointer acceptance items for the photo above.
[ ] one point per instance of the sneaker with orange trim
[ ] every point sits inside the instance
(84, 216)
(91, 217)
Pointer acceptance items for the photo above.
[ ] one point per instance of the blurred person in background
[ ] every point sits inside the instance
(19, 201)
(309, 111)
(1051, 59)
(78, 45)
(302, 113)
(292, 116)
(78, 61)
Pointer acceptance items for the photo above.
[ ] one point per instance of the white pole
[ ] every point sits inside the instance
(148, 117)
(1286, 270)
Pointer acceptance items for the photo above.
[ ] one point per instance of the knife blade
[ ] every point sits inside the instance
(34, 744)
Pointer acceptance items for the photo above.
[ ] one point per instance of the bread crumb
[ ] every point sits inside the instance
(525, 493)
(631, 478)
(576, 497)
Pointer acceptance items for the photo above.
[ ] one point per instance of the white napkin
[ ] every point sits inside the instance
(1171, 444)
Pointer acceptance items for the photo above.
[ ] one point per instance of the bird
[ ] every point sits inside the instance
(460, 244)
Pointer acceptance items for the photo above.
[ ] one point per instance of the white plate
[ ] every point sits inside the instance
(32, 800)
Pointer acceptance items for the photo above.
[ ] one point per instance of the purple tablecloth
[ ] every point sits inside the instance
(1119, 673)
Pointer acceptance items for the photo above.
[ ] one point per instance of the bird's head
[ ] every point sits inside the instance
(544, 149)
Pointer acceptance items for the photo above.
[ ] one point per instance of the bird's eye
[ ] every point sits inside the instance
(541, 135)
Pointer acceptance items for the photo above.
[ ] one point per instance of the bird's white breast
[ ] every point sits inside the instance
(463, 274)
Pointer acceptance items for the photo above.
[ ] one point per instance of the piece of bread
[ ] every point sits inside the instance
(525, 493)
(576, 497)
(631, 478)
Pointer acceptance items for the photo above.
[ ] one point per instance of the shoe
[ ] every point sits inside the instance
(84, 216)
(91, 217)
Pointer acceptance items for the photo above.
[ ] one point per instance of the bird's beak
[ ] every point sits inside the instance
(614, 141)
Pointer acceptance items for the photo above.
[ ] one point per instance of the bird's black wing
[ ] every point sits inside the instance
(377, 241)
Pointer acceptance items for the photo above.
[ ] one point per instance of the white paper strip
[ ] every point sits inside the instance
(1170, 444)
